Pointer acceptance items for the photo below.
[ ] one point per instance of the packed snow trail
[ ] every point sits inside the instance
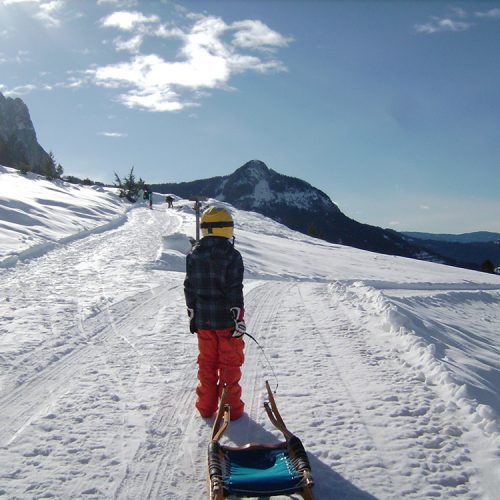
(97, 394)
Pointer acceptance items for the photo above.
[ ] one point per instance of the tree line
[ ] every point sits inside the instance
(13, 154)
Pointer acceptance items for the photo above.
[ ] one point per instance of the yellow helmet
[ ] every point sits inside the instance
(217, 221)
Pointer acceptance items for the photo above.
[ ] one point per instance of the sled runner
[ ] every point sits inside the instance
(257, 469)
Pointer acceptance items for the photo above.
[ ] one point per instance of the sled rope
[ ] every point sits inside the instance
(267, 359)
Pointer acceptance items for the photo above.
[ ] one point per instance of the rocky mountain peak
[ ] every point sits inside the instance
(254, 186)
(253, 171)
(14, 117)
(18, 141)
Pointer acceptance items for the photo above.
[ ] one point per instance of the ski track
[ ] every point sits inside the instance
(63, 377)
(138, 435)
(19, 406)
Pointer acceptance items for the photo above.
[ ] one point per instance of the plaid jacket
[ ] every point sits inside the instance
(214, 283)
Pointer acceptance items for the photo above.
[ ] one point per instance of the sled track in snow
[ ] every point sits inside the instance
(379, 407)
(24, 403)
(175, 449)
(262, 304)
(344, 395)
(148, 475)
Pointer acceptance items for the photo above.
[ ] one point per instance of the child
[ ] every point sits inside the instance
(214, 297)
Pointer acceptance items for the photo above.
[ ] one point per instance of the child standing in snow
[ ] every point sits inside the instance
(214, 297)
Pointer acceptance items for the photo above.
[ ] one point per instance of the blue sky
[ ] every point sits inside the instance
(391, 108)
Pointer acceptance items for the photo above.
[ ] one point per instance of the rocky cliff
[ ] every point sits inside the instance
(18, 142)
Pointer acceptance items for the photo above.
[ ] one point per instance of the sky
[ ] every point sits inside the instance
(391, 108)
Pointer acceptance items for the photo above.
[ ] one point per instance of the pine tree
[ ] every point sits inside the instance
(48, 167)
(128, 187)
(487, 266)
(23, 168)
(4, 154)
(311, 231)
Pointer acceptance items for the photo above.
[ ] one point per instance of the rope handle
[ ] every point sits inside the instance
(267, 359)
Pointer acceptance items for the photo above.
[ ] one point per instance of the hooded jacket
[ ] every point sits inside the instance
(214, 283)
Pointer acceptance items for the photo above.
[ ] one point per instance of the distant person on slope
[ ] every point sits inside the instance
(214, 297)
(150, 196)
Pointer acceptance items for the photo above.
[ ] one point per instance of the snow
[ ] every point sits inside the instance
(55, 210)
(306, 200)
(387, 368)
(262, 193)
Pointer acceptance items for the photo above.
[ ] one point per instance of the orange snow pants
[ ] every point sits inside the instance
(219, 362)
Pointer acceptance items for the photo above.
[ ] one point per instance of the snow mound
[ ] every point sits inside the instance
(441, 354)
(173, 251)
(179, 242)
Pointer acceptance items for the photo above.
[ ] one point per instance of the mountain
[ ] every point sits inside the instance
(469, 250)
(475, 237)
(19, 146)
(298, 205)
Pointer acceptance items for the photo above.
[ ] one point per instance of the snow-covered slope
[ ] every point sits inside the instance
(36, 213)
(388, 368)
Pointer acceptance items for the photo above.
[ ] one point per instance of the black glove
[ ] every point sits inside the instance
(190, 312)
(240, 328)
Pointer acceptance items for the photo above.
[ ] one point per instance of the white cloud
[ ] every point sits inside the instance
(152, 79)
(48, 10)
(72, 83)
(455, 22)
(114, 135)
(128, 21)
(131, 45)
(206, 60)
(13, 2)
(20, 90)
(158, 101)
(256, 35)
(492, 13)
(441, 25)
(118, 3)
(43, 10)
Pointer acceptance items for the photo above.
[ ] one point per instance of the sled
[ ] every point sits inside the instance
(257, 470)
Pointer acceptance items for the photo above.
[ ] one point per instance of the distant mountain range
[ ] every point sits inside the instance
(470, 249)
(476, 237)
(298, 205)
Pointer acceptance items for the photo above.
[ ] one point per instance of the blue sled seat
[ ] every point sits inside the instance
(257, 469)
(260, 471)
